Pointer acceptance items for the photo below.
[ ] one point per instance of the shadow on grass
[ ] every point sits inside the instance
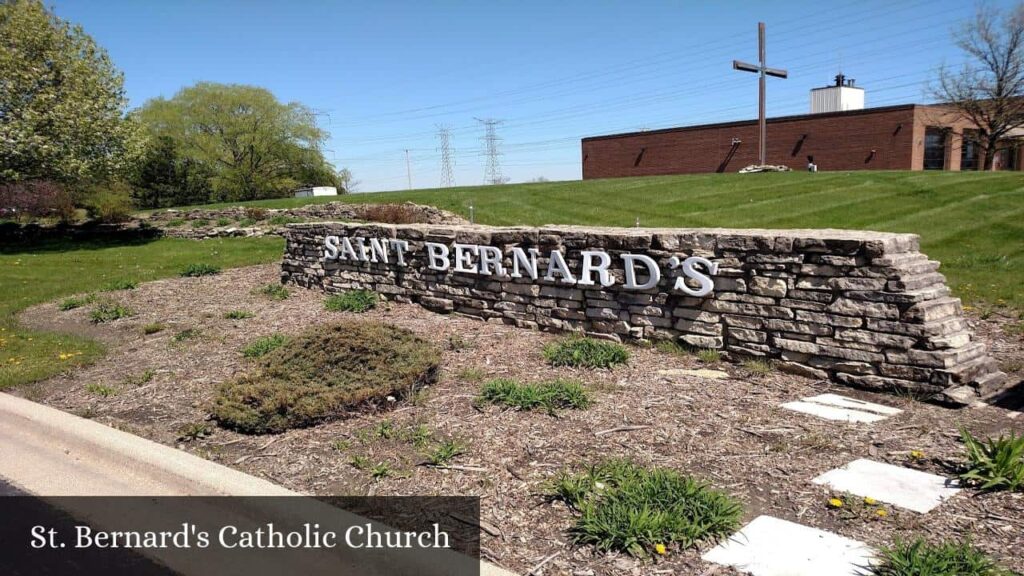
(19, 238)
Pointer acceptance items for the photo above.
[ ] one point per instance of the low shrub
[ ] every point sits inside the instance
(627, 508)
(585, 352)
(272, 291)
(391, 214)
(547, 395)
(353, 301)
(199, 269)
(37, 199)
(76, 302)
(264, 345)
(110, 203)
(109, 311)
(153, 328)
(223, 222)
(324, 374)
(254, 213)
(994, 464)
(920, 558)
(199, 223)
(123, 284)
(175, 223)
(238, 315)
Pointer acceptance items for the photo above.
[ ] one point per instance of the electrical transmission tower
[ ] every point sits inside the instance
(447, 176)
(492, 175)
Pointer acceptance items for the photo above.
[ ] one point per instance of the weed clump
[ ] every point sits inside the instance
(275, 292)
(200, 269)
(263, 346)
(109, 311)
(994, 464)
(920, 558)
(325, 373)
(627, 508)
(354, 301)
(585, 352)
(547, 395)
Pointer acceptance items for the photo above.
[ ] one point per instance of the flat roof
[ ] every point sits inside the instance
(861, 112)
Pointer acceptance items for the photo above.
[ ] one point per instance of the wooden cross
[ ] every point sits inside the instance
(763, 70)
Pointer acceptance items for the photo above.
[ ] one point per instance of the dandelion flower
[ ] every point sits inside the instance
(882, 512)
(916, 454)
(870, 501)
(659, 548)
(835, 503)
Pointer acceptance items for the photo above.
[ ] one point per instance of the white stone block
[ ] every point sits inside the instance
(834, 412)
(847, 402)
(903, 487)
(769, 546)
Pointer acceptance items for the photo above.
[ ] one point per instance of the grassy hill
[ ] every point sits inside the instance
(972, 222)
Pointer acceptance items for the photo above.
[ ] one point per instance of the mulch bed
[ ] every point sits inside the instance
(730, 432)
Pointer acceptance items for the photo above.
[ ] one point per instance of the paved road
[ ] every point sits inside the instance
(21, 511)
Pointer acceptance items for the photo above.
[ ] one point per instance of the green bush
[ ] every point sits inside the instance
(353, 301)
(109, 311)
(585, 352)
(199, 269)
(548, 395)
(627, 508)
(200, 223)
(175, 223)
(324, 374)
(919, 558)
(994, 464)
(272, 291)
(223, 222)
(264, 345)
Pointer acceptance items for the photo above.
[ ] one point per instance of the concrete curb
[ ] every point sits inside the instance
(48, 452)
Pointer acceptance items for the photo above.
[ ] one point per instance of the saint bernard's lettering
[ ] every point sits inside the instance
(640, 272)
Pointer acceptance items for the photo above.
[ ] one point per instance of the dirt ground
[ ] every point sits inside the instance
(729, 431)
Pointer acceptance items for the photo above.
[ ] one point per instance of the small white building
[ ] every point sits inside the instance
(316, 191)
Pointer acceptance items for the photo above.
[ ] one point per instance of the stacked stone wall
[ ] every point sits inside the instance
(865, 309)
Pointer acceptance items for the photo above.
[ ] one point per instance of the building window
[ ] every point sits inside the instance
(969, 150)
(934, 149)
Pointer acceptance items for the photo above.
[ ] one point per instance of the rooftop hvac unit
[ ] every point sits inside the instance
(841, 96)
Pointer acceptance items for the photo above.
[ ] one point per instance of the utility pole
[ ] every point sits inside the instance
(408, 169)
(762, 70)
(447, 176)
(492, 174)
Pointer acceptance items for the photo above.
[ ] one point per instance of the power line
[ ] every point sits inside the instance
(447, 176)
(492, 174)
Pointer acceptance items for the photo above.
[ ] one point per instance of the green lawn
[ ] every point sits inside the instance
(50, 270)
(972, 222)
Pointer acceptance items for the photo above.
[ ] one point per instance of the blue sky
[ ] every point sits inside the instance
(384, 74)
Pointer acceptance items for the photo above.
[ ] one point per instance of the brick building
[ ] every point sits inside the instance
(904, 137)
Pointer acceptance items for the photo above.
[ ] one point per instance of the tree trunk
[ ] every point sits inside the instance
(990, 154)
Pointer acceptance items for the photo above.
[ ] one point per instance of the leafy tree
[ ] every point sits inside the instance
(62, 101)
(164, 177)
(989, 90)
(252, 145)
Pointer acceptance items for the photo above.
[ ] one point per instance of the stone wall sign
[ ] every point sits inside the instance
(865, 309)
